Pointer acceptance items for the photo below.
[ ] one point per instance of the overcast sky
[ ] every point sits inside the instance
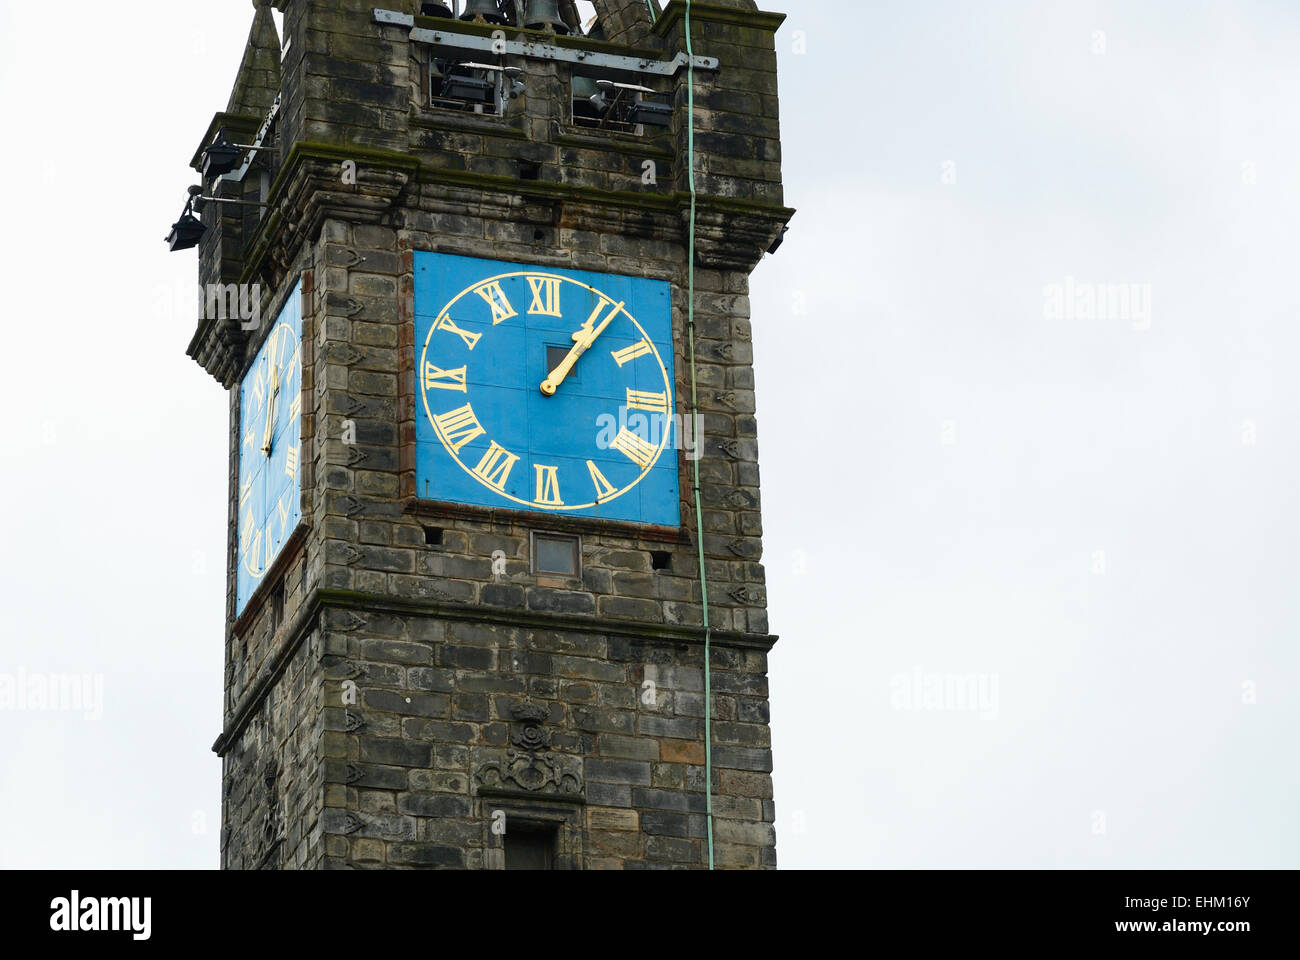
(1085, 517)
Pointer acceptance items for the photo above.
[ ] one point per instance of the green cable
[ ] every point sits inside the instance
(653, 16)
(695, 412)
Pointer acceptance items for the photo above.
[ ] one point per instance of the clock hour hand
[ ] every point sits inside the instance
(583, 338)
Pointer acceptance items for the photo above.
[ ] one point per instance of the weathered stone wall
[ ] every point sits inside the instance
(412, 765)
(272, 777)
(390, 680)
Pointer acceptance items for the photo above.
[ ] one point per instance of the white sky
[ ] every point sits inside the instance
(946, 470)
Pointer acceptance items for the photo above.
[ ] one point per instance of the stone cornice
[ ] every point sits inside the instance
(675, 13)
(668, 203)
(321, 600)
(478, 613)
(733, 233)
(272, 669)
(235, 123)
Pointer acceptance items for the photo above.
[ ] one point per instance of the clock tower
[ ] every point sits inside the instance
(475, 279)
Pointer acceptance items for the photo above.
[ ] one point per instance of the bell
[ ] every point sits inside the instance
(487, 9)
(435, 9)
(544, 14)
(587, 100)
(571, 17)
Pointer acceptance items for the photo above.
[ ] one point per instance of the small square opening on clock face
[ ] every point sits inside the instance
(556, 356)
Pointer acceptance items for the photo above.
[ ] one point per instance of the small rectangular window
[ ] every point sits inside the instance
(604, 104)
(468, 86)
(556, 555)
(530, 846)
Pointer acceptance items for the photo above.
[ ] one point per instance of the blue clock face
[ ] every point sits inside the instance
(270, 450)
(545, 390)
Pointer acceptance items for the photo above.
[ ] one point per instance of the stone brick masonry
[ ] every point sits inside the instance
(390, 696)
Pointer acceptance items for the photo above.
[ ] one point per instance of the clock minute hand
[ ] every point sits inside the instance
(583, 338)
(271, 404)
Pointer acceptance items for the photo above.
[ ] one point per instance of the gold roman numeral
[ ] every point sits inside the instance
(259, 388)
(459, 427)
(249, 439)
(634, 448)
(295, 406)
(256, 549)
(247, 536)
(604, 489)
(436, 378)
(246, 492)
(591, 325)
(494, 469)
(446, 324)
(546, 296)
(270, 544)
(626, 356)
(654, 402)
(291, 462)
(284, 515)
(548, 486)
(496, 299)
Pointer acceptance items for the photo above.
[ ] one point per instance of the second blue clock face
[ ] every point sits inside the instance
(545, 390)
(270, 449)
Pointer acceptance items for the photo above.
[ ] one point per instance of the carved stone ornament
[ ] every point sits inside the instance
(528, 733)
(544, 773)
(532, 768)
(272, 828)
(273, 821)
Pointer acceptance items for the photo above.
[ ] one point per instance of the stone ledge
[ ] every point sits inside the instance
(675, 13)
(355, 600)
(320, 600)
(238, 125)
(520, 518)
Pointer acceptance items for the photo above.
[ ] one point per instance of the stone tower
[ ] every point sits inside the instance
(417, 679)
